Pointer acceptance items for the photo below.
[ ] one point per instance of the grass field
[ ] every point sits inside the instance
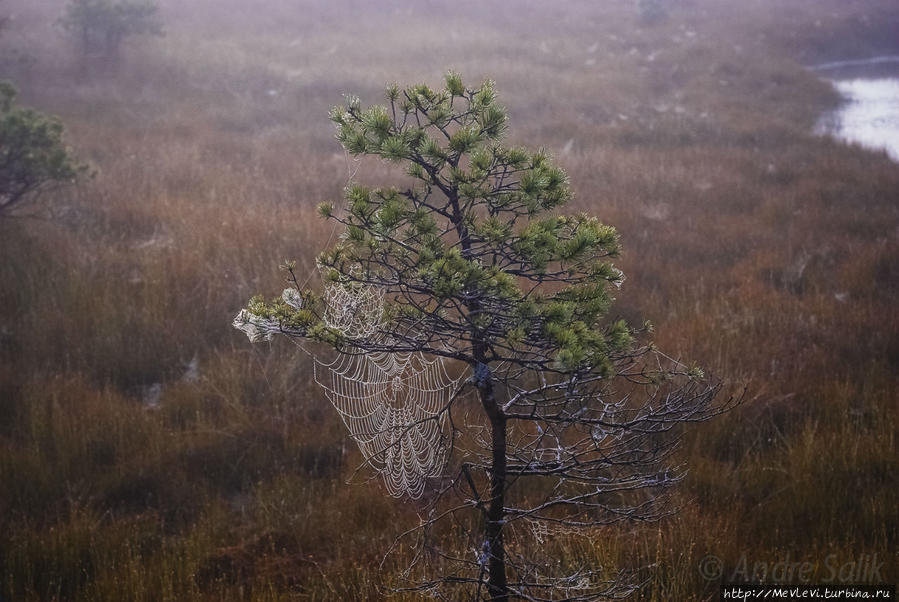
(149, 452)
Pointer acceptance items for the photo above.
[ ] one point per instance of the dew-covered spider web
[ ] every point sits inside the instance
(356, 310)
(394, 406)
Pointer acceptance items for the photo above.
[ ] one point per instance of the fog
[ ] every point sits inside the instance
(746, 153)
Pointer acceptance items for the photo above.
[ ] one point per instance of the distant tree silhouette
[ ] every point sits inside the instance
(102, 25)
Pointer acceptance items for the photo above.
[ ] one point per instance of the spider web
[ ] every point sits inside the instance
(393, 406)
(356, 310)
(255, 327)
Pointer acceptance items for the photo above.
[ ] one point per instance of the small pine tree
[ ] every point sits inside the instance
(33, 156)
(574, 420)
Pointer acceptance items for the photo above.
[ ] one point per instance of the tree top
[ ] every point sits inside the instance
(474, 259)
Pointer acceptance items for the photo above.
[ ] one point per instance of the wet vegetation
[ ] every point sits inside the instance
(148, 452)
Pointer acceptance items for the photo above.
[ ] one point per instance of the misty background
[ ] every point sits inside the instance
(148, 452)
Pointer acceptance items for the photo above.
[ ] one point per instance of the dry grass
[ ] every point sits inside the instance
(768, 255)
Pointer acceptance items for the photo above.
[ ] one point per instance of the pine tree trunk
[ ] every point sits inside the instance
(496, 583)
(495, 547)
(497, 586)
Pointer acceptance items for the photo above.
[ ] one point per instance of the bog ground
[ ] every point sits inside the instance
(148, 452)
